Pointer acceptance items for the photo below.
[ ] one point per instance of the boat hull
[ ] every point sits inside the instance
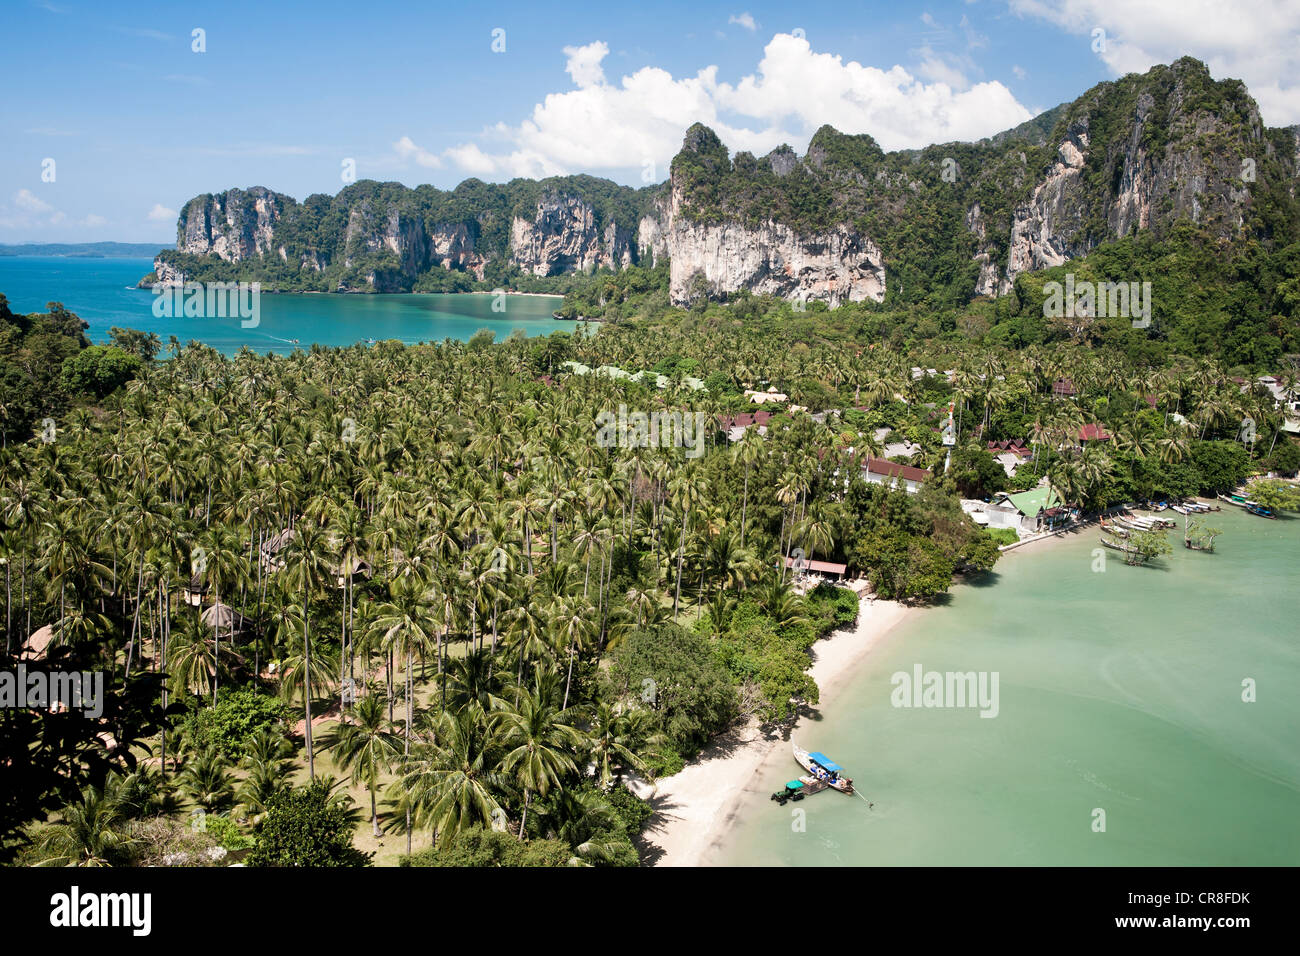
(803, 759)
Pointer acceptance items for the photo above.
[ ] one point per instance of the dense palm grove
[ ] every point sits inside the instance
(403, 593)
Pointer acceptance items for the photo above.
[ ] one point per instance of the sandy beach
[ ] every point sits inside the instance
(695, 807)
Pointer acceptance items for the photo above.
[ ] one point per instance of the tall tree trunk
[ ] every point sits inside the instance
(524, 818)
(306, 683)
(744, 504)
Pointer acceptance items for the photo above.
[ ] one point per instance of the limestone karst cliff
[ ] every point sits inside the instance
(846, 222)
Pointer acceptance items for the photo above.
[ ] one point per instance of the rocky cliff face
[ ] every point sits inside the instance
(836, 266)
(451, 246)
(563, 236)
(1187, 149)
(234, 225)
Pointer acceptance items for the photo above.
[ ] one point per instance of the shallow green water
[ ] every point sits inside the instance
(102, 292)
(1120, 690)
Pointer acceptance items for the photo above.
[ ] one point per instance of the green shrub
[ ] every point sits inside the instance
(478, 847)
(237, 718)
(227, 833)
(1002, 536)
(304, 827)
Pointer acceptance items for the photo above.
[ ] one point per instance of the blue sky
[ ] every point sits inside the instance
(136, 122)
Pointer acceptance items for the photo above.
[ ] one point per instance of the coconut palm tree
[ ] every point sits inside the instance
(365, 746)
(89, 832)
(538, 739)
(307, 567)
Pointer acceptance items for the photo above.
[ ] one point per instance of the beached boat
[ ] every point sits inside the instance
(1255, 508)
(821, 770)
(1153, 522)
(1114, 545)
(1181, 509)
(1239, 500)
(1137, 523)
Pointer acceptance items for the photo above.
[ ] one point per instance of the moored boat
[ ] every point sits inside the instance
(821, 769)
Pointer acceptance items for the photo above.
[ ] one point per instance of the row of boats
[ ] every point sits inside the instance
(1124, 525)
(1254, 507)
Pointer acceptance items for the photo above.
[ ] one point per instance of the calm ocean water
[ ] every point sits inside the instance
(102, 292)
(1119, 691)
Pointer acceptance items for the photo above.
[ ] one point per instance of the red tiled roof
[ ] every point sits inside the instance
(1063, 386)
(1093, 432)
(743, 420)
(879, 466)
(1012, 445)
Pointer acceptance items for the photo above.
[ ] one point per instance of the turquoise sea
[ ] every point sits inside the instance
(1119, 691)
(102, 291)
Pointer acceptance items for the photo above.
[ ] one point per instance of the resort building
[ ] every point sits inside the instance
(1092, 432)
(878, 471)
(762, 398)
(1064, 388)
(827, 569)
(1010, 454)
(1286, 400)
(1028, 512)
(735, 425)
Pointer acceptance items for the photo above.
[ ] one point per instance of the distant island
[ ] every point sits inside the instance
(84, 250)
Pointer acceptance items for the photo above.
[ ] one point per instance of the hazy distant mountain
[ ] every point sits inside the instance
(87, 250)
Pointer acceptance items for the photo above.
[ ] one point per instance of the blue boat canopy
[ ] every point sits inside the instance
(825, 762)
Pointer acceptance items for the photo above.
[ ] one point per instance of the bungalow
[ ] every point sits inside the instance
(1026, 511)
(272, 547)
(1286, 399)
(880, 472)
(1092, 432)
(1010, 454)
(1064, 388)
(735, 425)
(222, 617)
(817, 567)
(771, 395)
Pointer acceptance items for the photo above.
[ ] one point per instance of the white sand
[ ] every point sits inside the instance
(696, 806)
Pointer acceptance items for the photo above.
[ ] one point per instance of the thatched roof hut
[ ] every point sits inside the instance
(34, 648)
(222, 616)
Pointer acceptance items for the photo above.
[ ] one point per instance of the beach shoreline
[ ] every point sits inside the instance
(696, 807)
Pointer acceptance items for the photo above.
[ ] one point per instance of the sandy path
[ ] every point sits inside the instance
(695, 807)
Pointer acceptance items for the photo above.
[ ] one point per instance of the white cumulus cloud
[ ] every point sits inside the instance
(1257, 44)
(637, 121)
(744, 20)
(160, 213)
(408, 150)
(28, 201)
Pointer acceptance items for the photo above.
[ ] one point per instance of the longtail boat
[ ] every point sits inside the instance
(821, 770)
